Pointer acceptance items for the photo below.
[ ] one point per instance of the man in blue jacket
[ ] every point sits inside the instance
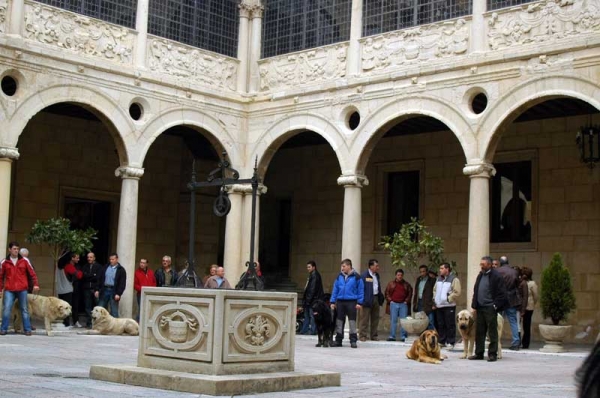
(348, 296)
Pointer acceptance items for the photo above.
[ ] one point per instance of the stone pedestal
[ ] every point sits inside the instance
(554, 335)
(414, 326)
(231, 341)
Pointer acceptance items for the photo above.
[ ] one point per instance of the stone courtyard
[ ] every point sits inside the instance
(40, 366)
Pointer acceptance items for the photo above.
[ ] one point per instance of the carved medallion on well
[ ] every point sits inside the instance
(178, 328)
(178, 325)
(258, 330)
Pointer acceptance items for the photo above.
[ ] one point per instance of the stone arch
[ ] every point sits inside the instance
(368, 135)
(215, 132)
(269, 142)
(528, 94)
(100, 104)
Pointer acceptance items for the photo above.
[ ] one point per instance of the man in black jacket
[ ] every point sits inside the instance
(166, 276)
(111, 285)
(369, 313)
(423, 295)
(89, 285)
(489, 298)
(312, 292)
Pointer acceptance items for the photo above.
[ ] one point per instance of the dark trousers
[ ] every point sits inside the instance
(68, 297)
(346, 308)
(527, 328)
(446, 320)
(75, 304)
(487, 322)
(90, 302)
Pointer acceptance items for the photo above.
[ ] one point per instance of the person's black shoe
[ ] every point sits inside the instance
(353, 345)
(476, 357)
(337, 344)
(492, 358)
(514, 348)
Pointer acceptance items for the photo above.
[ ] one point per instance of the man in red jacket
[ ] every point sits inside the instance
(143, 277)
(14, 272)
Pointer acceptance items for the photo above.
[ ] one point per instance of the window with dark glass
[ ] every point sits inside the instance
(511, 202)
(293, 25)
(496, 4)
(380, 16)
(402, 199)
(120, 12)
(208, 24)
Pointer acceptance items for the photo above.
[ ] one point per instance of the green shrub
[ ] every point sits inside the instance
(556, 298)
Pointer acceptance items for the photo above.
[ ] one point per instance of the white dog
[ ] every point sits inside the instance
(104, 323)
(49, 309)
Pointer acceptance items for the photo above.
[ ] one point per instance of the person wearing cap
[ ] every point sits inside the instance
(423, 295)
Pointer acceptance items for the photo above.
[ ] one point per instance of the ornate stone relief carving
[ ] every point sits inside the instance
(433, 41)
(178, 326)
(542, 21)
(3, 8)
(258, 330)
(176, 59)
(307, 67)
(78, 33)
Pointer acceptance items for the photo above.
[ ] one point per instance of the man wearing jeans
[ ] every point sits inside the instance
(111, 285)
(398, 294)
(15, 272)
(445, 292)
(511, 280)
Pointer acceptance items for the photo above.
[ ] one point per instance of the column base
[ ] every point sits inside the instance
(214, 385)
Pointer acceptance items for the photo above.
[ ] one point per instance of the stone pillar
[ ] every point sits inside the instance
(127, 231)
(354, 55)
(141, 25)
(478, 27)
(232, 259)
(246, 222)
(479, 220)
(242, 52)
(7, 155)
(352, 224)
(15, 23)
(255, 45)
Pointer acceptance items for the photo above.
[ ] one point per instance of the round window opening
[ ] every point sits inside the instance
(479, 103)
(135, 111)
(354, 120)
(9, 85)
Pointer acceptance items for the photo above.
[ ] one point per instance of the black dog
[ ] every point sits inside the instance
(325, 321)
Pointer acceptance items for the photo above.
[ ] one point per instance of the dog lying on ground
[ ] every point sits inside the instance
(426, 348)
(104, 323)
(50, 309)
(468, 330)
(325, 322)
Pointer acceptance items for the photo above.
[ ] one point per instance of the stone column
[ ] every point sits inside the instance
(242, 52)
(17, 10)
(478, 27)
(141, 25)
(354, 55)
(352, 224)
(232, 259)
(7, 155)
(127, 231)
(479, 220)
(246, 222)
(255, 45)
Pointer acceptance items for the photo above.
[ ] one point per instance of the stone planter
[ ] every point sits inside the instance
(414, 326)
(554, 335)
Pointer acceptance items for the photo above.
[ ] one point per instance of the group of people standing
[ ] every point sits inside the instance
(360, 297)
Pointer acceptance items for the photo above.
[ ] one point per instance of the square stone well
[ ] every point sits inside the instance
(217, 342)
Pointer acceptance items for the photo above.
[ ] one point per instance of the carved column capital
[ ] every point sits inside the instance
(355, 180)
(9, 153)
(129, 172)
(245, 189)
(481, 169)
(245, 9)
(257, 11)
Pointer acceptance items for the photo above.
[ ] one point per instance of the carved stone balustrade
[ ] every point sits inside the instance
(69, 31)
(326, 63)
(194, 64)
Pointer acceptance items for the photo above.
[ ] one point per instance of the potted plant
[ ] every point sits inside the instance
(557, 300)
(58, 235)
(408, 248)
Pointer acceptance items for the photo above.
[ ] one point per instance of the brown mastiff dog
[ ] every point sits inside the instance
(468, 329)
(426, 348)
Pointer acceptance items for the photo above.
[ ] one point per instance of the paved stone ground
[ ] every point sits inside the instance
(47, 367)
